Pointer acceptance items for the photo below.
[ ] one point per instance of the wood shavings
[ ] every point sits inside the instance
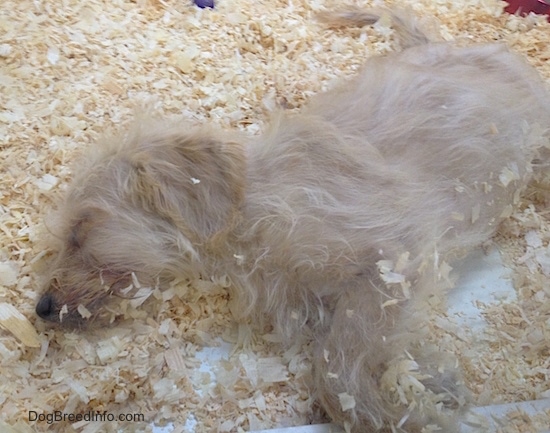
(9, 273)
(507, 175)
(47, 182)
(13, 321)
(387, 274)
(107, 350)
(346, 401)
(71, 70)
(63, 311)
(83, 311)
(401, 381)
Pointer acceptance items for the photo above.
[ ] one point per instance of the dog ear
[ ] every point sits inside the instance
(194, 178)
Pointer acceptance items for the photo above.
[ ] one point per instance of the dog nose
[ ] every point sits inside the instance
(46, 307)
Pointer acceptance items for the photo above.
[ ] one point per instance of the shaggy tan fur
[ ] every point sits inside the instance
(420, 156)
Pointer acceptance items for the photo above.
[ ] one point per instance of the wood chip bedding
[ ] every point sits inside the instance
(71, 71)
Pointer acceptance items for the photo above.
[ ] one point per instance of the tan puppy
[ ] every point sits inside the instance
(416, 159)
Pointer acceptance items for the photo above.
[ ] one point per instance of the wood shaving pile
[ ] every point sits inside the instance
(71, 70)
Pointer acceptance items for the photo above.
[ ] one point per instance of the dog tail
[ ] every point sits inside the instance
(406, 25)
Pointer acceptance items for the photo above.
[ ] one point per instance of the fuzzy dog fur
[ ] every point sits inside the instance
(414, 161)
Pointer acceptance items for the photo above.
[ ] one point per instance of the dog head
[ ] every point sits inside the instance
(141, 208)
